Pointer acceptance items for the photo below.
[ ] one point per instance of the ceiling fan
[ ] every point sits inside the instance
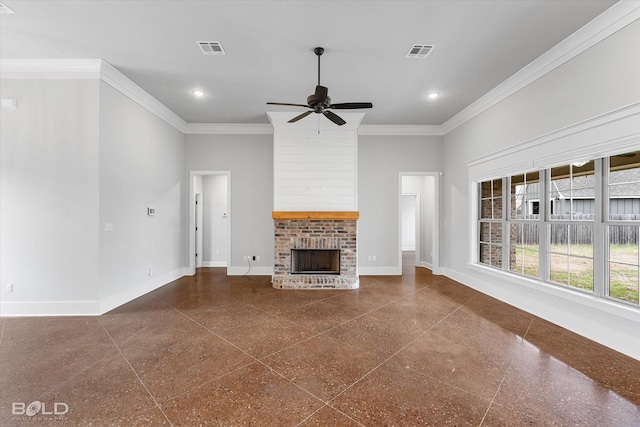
(320, 101)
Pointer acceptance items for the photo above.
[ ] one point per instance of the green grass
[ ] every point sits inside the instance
(623, 282)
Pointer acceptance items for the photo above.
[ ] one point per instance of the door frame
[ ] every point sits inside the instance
(435, 222)
(191, 269)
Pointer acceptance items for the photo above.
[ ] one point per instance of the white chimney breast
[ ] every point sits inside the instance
(315, 163)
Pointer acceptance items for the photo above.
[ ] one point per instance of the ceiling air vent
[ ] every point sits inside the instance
(211, 48)
(420, 50)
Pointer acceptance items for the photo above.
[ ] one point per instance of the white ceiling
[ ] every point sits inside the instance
(270, 57)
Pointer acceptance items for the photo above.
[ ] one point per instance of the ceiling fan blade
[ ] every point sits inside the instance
(321, 94)
(334, 117)
(351, 105)
(287, 104)
(301, 116)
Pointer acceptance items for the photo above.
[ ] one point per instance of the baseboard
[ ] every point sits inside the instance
(591, 317)
(379, 271)
(138, 290)
(48, 308)
(214, 263)
(250, 271)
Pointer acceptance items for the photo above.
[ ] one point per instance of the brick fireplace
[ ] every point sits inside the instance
(315, 203)
(315, 231)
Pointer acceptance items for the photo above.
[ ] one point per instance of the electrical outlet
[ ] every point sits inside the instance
(258, 258)
(246, 258)
(150, 271)
(254, 258)
(10, 288)
(374, 257)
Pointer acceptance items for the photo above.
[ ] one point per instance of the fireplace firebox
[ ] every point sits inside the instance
(315, 261)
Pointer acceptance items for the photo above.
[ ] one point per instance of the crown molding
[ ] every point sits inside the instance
(401, 130)
(50, 68)
(280, 121)
(609, 22)
(614, 132)
(229, 129)
(114, 78)
(66, 68)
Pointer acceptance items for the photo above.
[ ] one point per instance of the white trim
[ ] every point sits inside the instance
(250, 271)
(563, 307)
(280, 119)
(36, 68)
(114, 78)
(614, 132)
(49, 308)
(89, 69)
(612, 20)
(435, 238)
(380, 271)
(401, 130)
(191, 267)
(214, 263)
(139, 289)
(229, 129)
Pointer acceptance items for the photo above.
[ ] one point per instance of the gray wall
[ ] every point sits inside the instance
(49, 196)
(141, 166)
(380, 160)
(600, 80)
(215, 236)
(78, 155)
(249, 158)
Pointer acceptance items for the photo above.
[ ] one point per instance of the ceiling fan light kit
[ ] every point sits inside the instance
(320, 102)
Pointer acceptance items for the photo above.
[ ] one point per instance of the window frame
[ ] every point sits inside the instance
(600, 224)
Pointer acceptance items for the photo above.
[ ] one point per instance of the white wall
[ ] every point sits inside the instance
(215, 221)
(249, 158)
(315, 171)
(49, 197)
(598, 81)
(409, 222)
(141, 166)
(380, 160)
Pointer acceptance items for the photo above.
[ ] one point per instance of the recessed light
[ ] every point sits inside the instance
(198, 93)
(433, 95)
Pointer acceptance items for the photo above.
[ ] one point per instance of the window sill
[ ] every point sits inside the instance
(576, 296)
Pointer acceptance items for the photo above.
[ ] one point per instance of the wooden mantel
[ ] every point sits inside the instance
(297, 215)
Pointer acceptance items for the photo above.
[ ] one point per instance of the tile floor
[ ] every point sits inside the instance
(230, 351)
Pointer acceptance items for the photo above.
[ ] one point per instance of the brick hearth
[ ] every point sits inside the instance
(315, 230)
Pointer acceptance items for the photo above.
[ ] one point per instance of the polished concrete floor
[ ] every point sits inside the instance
(232, 351)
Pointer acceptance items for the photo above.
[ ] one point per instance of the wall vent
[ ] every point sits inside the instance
(420, 50)
(211, 48)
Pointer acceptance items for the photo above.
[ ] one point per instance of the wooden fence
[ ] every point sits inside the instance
(578, 234)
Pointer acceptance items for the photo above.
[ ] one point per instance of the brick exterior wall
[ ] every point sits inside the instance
(315, 234)
(492, 206)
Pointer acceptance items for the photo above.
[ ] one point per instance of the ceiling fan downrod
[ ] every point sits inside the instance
(318, 51)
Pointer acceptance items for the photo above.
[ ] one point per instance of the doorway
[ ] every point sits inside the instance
(418, 229)
(209, 219)
(410, 217)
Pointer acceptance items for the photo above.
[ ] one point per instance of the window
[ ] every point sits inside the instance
(524, 233)
(623, 261)
(576, 225)
(491, 223)
(570, 236)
